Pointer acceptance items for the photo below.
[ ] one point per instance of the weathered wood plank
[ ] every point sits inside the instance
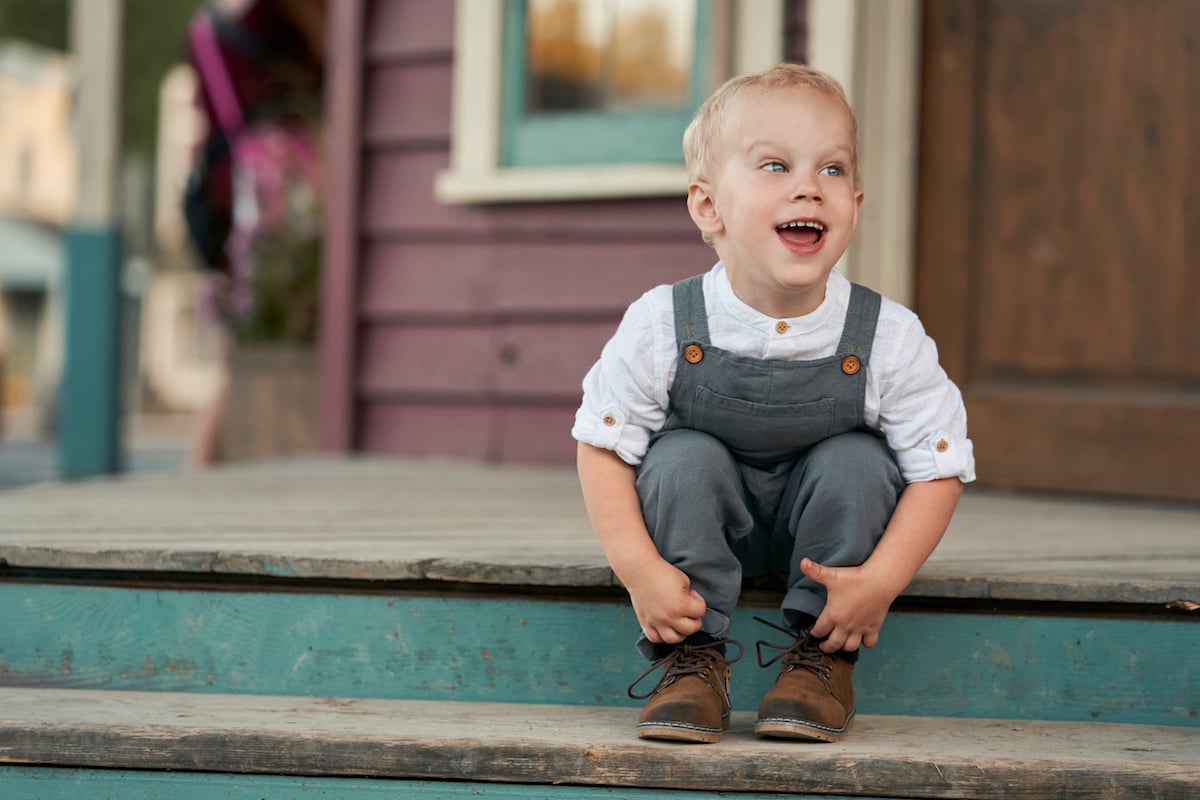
(405, 645)
(592, 746)
(368, 517)
(44, 783)
(300, 517)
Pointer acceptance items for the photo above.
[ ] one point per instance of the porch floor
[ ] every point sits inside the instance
(368, 518)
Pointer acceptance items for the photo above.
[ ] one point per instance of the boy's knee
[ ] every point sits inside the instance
(688, 455)
(854, 459)
(688, 469)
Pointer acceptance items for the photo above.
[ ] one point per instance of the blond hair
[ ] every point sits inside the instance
(703, 136)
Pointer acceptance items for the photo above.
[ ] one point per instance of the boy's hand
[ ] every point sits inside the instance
(855, 609)
(667, 607)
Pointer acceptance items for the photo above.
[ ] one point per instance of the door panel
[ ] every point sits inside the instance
(1059, 237)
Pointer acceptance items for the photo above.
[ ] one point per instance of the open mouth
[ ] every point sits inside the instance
(802, 232)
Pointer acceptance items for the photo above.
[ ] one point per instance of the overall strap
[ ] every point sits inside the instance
(691, 317)
(858, 334)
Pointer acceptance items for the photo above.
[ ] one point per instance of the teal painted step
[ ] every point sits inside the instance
(514, 649)
(578, 746)
(32, 783)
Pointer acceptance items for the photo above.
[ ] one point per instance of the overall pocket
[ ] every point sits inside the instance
(763, 431)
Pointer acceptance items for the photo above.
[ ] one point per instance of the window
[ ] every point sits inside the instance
(601, 81)
(573, 99)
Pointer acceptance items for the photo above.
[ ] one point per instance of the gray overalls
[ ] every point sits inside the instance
(763, 462)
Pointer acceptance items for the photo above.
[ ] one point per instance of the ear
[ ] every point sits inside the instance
(858, 201)
(702, 205)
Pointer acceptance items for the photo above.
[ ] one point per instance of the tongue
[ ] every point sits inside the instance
(800, 236)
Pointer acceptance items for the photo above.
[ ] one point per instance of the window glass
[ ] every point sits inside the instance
(601, 81)
(608, 55)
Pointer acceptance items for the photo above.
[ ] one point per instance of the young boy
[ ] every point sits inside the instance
(768, 417)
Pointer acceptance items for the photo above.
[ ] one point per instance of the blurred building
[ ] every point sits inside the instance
(38, 183)
(38, 163)
(173, 351)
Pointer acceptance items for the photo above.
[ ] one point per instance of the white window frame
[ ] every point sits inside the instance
(475, 174)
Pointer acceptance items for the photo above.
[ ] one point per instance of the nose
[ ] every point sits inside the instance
(806, 188)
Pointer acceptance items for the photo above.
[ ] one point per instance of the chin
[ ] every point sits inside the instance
(806, 277)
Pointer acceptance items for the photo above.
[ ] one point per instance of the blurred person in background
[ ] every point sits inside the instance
(253, 199)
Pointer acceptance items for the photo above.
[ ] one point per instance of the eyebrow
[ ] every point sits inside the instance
(840, 151)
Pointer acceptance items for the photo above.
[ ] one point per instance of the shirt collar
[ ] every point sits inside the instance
(837, 292)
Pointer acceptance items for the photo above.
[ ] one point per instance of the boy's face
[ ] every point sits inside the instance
(781, 207)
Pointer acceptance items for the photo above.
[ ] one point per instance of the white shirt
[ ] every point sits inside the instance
(908, 395)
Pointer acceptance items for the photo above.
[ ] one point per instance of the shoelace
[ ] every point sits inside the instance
(804, 652)
(688, 659)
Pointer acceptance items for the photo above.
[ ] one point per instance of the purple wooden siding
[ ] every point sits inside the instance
(473, 325)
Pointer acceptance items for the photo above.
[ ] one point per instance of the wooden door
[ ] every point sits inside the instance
(1058, 257)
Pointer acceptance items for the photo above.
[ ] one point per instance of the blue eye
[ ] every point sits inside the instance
(775, 166)
(833, 171)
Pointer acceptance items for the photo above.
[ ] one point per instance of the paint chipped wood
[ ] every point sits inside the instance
(394, 519)
(904, 756)
(366, 518)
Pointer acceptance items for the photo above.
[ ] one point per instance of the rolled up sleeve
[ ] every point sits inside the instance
(921, 411)
(624, 393)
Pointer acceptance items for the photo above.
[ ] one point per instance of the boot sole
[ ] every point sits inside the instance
(797, 729)
(677, 732)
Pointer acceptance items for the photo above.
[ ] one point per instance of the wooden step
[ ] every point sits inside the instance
(401, 645)
(546, 744)
(383, 519)
(415, 580)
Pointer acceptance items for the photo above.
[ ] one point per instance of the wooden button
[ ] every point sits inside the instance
(851, 365)
(693, 353)
(609, 420)
(781, 327)
(942, 445)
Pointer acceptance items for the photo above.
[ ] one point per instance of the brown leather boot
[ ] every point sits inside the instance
(691, 701)
(812, 698)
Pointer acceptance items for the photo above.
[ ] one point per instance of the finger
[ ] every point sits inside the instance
(870, 640)
(822, 627)
(671, 636)
(835, 642)
(696, 606)
(817, 572)
(652, 634)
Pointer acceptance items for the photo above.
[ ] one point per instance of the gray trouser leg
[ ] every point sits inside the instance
(694, 505)
(839, 499)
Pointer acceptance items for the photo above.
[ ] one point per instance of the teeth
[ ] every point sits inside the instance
(804, 224)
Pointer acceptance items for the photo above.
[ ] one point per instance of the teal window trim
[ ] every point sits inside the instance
(571, 138)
